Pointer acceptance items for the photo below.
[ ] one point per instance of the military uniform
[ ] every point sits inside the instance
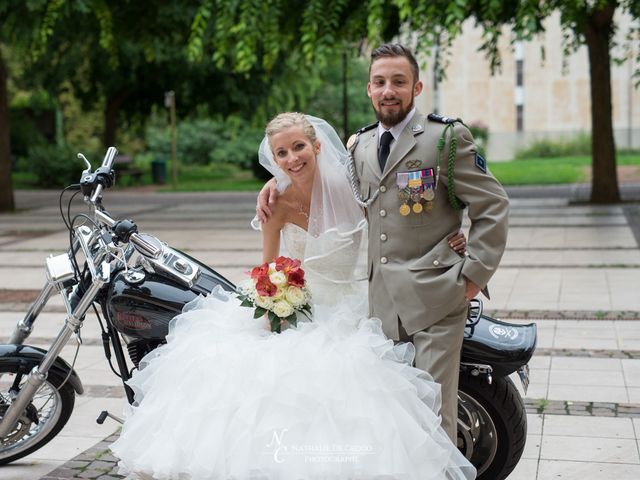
(416, 281)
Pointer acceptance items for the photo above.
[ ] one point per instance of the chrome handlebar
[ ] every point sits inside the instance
(109, 157)
(142, 245)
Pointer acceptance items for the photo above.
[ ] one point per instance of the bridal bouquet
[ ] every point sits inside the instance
(277, 289)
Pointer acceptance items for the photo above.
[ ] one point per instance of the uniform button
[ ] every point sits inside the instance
(436, 263)
(383, 237)
(383, 213)
(383, 188)
(383, 260)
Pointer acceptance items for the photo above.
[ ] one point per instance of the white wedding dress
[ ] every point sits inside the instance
(226, 399)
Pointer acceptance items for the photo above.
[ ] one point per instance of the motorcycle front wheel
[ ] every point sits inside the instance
(492, 425)
(43, 418)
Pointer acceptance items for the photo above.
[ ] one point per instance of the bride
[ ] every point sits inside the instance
(333, 398)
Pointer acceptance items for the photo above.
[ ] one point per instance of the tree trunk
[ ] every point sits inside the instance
(112, 108)
(345, 96)
(6, 186)
(598, 32)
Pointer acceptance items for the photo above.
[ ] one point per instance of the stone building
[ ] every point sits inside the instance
(531, 98)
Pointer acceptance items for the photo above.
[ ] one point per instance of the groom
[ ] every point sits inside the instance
(418, 286)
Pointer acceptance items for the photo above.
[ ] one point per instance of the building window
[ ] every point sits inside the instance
(519, 73)
(519, 118)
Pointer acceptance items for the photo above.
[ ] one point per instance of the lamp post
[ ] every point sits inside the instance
(170, 103)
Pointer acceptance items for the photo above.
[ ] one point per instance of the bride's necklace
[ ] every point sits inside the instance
(299, 206)
(301, 210)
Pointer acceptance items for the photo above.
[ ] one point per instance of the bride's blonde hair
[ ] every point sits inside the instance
(286, 120)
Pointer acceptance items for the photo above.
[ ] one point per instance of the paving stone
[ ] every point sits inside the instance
(62, 473)
(90, 473)
(77, 463)
(102, 465)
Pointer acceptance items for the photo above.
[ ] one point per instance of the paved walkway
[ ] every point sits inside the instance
(572, 268)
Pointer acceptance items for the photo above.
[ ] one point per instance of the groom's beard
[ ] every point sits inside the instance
(392, 119)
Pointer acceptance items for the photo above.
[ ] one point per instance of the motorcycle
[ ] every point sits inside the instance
(138, 284)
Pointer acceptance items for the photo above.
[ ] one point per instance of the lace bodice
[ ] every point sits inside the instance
(330, 278)
(294, 239)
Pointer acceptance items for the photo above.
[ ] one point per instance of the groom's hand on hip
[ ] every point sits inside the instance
(266, 198)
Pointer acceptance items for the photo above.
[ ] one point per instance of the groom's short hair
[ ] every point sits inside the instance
(396, 50)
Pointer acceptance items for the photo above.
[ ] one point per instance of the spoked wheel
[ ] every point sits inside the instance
(43, 418)
(492, 425)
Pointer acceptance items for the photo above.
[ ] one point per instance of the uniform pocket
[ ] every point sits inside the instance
(440, 256)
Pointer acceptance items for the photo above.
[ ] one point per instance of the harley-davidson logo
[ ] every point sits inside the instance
(502, 331)
(131, 320)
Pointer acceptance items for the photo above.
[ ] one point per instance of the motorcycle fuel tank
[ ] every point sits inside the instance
(141, 304)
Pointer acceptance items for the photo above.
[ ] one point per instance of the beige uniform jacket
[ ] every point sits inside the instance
(413, 274)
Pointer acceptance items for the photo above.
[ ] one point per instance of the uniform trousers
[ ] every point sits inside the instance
(438, 353)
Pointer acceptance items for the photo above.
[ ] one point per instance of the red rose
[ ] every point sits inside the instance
(259, 271)
(296, 278)
(264, 286)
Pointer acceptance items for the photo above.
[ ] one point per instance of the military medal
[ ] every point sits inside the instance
(402, 180)
(428, 194)
(416, 190)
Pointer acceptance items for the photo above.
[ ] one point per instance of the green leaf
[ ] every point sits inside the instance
(260, 312)
(276, 323)
(292, 319)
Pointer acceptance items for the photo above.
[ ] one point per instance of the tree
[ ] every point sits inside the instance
(245, 33)
(589, 23)
(26, 27)
(6, 186)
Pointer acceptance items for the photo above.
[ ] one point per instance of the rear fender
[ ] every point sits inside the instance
(505, 347)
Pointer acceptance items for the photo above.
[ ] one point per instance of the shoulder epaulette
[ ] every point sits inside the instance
(367, 128)
(353, 139)
(434, 117)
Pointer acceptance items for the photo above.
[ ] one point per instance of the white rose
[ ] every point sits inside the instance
(282, 308)
(264, 302)
(272, 267)
(278, 278)
(296, 296)
(279, 294)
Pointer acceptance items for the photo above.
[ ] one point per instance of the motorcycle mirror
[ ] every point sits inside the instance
(86, 162)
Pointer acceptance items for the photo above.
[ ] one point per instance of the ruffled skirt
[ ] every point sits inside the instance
(331, 399)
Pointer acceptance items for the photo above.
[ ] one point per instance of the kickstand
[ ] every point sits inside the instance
(103, 416)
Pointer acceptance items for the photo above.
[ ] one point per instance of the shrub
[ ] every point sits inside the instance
(202, 141)
(52, 165)
(545, 148)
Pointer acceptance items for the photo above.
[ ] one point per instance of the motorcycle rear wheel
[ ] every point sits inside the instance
(51, 405)
(492, 425)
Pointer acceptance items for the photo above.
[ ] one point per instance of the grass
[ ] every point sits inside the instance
(530, 171)
(549, 171)
(218, 178)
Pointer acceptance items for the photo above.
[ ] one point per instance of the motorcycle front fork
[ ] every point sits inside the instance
(38, 374)
(25, 326)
